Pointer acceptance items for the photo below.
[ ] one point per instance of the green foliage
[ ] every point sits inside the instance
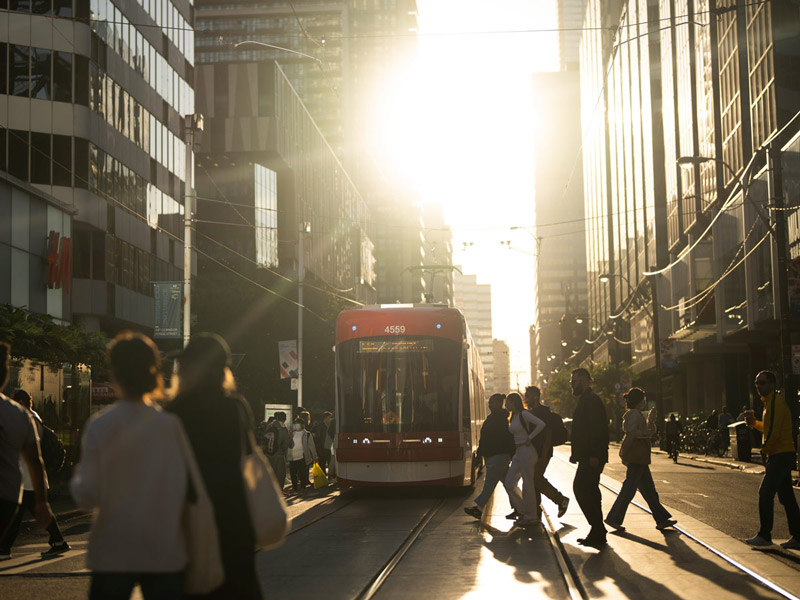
(40, 338)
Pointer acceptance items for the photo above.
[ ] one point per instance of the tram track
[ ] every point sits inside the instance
(562, 554)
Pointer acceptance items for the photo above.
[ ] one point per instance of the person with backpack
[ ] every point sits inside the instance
(524, 426)
(277, 442)
(779, 427)
(495, 448)
(57, 543)
(554, 434)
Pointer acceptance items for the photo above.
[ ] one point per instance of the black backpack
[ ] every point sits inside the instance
(558, 431)
(53, 452)
(270, 440)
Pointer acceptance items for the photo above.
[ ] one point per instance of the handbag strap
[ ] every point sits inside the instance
(246, 436)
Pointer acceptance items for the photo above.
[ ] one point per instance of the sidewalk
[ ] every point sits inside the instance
(645, 562)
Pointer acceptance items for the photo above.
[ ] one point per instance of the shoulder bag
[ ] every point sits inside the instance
(265, 501)
(205, 572)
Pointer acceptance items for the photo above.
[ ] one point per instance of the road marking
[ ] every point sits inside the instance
(29, 562)
(690, 503)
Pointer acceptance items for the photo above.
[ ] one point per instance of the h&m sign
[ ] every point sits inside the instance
(59, 261)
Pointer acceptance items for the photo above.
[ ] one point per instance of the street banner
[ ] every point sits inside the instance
(168, 296)
(287, 357)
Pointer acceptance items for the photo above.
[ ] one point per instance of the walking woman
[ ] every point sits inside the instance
(133, 474)
(303, 454)
(524, 426)
(216, 420)
(635, 454)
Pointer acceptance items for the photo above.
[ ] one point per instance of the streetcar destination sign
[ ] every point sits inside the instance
(370, 346)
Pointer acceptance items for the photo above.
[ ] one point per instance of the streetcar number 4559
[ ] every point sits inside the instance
(395, 329)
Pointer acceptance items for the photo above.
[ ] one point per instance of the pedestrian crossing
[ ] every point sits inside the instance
(26, 561)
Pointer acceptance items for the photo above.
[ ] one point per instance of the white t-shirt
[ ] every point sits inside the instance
(518, 430)
(296, 453)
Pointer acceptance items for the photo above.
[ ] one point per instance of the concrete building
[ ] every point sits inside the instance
(570, 15)
(475, 301)
(501, 380)
(438, 253)
(560, 276)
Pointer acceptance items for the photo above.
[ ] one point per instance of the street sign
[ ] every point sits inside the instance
(287, 357)
(168, 296)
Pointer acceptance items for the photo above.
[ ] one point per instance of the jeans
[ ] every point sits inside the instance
(522, 466)
(778, 479)
(324, 458)
(638, 477)
(496, 469)
(155, 586)
(586, 488)
(298, 471)
(278, 464)
(542, 485)
(28, 502)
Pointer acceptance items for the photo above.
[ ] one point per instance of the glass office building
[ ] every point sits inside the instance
(93, 96)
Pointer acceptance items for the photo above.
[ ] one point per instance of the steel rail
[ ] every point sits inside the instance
(380, 578)
(344, 503)
(574, 587)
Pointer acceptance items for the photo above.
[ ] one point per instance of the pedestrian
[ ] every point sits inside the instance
(19, 438)
(725, 419)
(217, 421)
(281, 442)
(496, 447)
(590, 452)
(57, 543)
(302, 455)
(712, 422)
(524, 426)
(544, 447)
(673, 430)
(133, 474)
(638, 476)
(323, 439)
(778, 452)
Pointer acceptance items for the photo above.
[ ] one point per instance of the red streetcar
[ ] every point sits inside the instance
(409, 397)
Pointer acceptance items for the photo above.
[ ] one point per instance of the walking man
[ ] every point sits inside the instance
(590, 452)
(496, 447)
(778, 451)
(544, 446)
(18, 438)
(281, 444)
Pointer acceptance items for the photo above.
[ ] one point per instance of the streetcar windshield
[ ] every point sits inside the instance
(398, 384)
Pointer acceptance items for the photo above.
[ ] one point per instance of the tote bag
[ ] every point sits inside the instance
(634, 451)
(267, 509)
(204, 572)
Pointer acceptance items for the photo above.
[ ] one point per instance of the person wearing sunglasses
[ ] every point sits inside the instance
(778, 451)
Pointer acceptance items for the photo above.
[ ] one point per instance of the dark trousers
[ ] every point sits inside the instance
(324, 458)
(586, 488)
(7, 511)
(28, 502)
(278, 464)
(542, 485)
(778, 480)
(638, 477)
(298, 471)
(241, 581)
(154, 586)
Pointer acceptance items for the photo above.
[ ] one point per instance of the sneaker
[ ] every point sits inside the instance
(56, 550)
(758, 541)
(473, 511)
(594, 542)
(614, 526)
(562, 507)
(513, 515)
(791, 544)
(666, 524)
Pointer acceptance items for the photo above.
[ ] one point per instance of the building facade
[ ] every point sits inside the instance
(475, 301)
(501, 378)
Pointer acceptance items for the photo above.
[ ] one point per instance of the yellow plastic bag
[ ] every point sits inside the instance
(320, 480)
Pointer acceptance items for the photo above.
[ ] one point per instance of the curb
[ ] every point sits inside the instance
(755, 469)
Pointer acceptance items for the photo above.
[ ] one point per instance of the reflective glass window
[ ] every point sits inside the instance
(18, 153)
(81, 80)
(20, 5)
(62, 160)
(41, 7)
(81, 163)
(3, 68)
(19, 70)
(63, 8)
(41, 157)
(41, 74)
(62, 76)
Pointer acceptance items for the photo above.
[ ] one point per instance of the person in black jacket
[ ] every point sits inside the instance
(216, 420)
(590, 451)
(496, 447)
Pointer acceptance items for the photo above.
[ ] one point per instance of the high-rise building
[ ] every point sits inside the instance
(94, 95)
(438, 253)
(501, 379)
(570, 15)
(398, 230)
(475, 301)
(560, 275)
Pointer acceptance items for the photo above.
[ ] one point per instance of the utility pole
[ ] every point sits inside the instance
(305, 227)
(781, 249)
(192, 124)
(657, 349)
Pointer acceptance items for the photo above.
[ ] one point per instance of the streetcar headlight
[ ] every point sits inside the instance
(366, 441)
(440, 440)
(438, 326)
(427, 440)
(354, 328)
(355, 441)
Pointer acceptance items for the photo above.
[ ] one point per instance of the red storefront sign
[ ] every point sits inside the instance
(59, 262)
